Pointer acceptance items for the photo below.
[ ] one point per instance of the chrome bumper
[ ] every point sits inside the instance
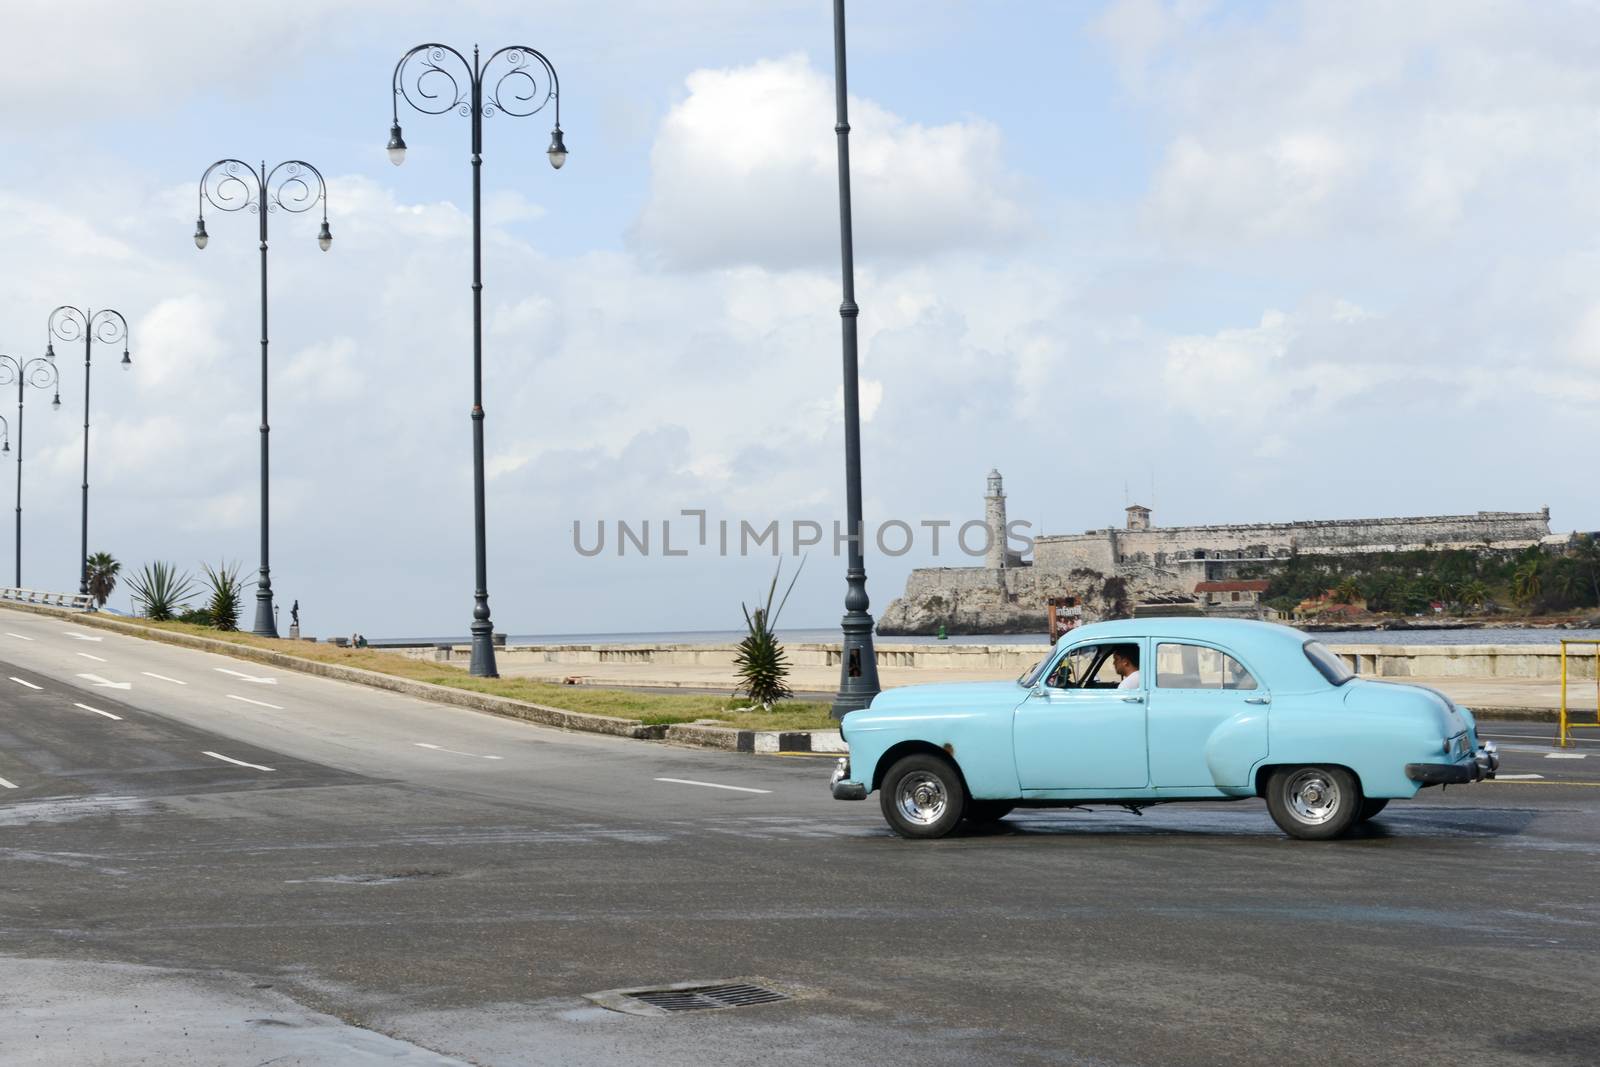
(841, 785)
(1485, 762)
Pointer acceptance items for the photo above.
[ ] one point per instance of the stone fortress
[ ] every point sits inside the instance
(1115, 572)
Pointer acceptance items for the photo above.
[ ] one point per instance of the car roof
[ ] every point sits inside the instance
(1269, 647)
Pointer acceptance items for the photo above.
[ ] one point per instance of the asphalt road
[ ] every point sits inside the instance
(227, 864)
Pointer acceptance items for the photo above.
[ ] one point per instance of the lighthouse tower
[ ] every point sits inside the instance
(994, 516)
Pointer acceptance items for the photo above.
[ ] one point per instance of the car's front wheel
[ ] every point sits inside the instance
(922, 796)
(1314, 803)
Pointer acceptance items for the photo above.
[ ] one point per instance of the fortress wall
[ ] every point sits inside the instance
(1504, 529)
(1091, 551)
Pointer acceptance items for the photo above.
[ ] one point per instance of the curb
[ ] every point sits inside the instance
(438, 694)
(731, 739)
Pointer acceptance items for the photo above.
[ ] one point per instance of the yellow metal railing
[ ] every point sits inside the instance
(1564, 738)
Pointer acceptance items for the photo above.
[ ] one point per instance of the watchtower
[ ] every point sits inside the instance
(994, 515)
(1138, 517)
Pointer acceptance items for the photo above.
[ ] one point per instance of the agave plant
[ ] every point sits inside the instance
(227, 594)
(761, 663)
(159, 590)
(103, 571)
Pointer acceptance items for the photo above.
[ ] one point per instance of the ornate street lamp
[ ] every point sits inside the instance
(517, 81)
(858, 666)
(39, 372)
(68, 323)
(295, 186)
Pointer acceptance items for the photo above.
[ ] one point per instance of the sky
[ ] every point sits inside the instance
(1236, 261)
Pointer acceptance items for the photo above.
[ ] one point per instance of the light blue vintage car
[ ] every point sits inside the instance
(1147, 711)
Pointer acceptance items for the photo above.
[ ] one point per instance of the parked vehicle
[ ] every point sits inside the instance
(1148, 711)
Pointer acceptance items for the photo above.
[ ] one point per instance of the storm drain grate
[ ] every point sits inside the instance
(688, 996)
(711, 996)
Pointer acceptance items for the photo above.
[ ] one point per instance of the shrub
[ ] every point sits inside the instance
(763, 668)
(227, 594)
(159, 590)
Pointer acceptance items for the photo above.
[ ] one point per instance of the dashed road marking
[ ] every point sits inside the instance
(86, 655)
(713, 785)
(81, 637)
(247, 677)
(162, 678)
(257, 703)
(240, 762)
(19, 637)
(30, 685)
(453, 752)
(97, 711)
(7, 785)
(1517, 777)
(1566, 755)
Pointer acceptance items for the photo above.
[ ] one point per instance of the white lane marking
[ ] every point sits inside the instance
(248, 677)
(1516, 777)
(162, 678)
(713, 785)
(105, 683)
(453, 752)
(240, 762)
(97, 711)
(8, 785)
(30, 685)
(81, 637)
(257, 703)
(86, 655)
(19, 637)
(1566, 755)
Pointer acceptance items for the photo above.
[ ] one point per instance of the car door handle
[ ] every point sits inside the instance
(1265, 698)
(1136, 698)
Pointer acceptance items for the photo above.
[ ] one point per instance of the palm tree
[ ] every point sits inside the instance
(1527, 581)
(1346, 592)
(1474, 593)
(103, 571)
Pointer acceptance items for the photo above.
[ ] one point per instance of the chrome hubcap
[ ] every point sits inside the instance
(921, 798)
(1313, 796)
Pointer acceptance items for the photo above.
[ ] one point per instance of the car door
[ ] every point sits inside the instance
(1082, 732)
(1207, 715)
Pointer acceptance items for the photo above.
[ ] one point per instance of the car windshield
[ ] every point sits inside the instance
(1031, 676)
(1330, 665)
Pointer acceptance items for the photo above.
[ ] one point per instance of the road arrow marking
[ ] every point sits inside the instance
(453, 752)
(97, 711)
(162, 678)
(7, 785)
(239, 762)
(30, 685)
(86, 655)
(249, 677)
(105, 683)
(713, 785)
(81, 637)
(19, 637)
(257, 703)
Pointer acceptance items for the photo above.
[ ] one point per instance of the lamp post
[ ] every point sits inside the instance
(516, 81)
(289, 186)
(68, 323)
(858, 666)
(40, 373)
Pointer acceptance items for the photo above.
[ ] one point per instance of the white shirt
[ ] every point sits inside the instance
(1131, 681)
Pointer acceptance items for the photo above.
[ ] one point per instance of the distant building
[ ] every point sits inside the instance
(1111, 572)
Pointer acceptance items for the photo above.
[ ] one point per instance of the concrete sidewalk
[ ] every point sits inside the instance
(1502, 697)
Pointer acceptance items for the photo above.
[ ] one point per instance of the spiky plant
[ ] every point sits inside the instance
(761, 663)
(159, 590)
(103, 571)
(227, 594)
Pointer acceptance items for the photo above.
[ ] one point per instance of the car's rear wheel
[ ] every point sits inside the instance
(987, 810)
(1370, 808)
(922, 796)
(1314, 803)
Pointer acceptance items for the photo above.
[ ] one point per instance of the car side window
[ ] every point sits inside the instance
(1085, 667)
(1184, 666)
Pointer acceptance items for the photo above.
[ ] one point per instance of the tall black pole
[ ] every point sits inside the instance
(266, 622)
(858, 667)
(483, 664)
(83, 538)
(20, 384)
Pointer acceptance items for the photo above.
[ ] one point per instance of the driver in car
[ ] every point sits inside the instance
(1125, 661)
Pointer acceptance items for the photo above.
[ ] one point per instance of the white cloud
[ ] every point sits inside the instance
(744, 171)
